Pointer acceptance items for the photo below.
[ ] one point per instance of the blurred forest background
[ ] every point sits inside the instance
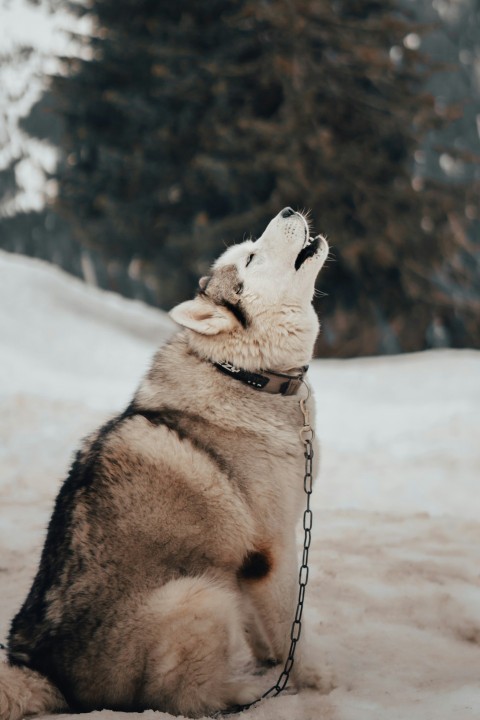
(137, 137)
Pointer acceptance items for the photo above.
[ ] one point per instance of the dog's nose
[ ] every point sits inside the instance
(287, 212)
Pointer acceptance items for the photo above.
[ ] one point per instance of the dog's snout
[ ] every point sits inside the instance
(287, 212)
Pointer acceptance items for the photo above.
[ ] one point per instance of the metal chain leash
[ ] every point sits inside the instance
(307, 436)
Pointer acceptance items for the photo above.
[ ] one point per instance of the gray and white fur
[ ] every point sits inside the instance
(169, 571)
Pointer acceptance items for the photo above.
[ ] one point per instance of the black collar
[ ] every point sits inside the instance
(266, 380)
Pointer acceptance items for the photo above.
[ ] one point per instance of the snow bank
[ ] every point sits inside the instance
(394, 599)
(64, 340)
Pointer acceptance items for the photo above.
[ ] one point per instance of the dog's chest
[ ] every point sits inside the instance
(275, 490)
(268, 466)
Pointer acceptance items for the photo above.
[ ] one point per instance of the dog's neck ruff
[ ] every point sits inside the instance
(269, 381)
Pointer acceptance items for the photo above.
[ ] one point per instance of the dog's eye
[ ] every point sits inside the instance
(249, 259)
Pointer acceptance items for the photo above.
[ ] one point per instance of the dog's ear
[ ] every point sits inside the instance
(204, 316)
(203, 282)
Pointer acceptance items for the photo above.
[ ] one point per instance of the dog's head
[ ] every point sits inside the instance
(255, 309)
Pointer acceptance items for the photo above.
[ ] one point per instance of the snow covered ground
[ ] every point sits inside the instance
(394, 599)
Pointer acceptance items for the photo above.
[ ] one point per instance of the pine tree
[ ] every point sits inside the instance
(194, 123)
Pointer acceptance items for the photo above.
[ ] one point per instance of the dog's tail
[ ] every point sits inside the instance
(25, 692)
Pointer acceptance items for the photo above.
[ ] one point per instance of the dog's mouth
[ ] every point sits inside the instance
(308, 250)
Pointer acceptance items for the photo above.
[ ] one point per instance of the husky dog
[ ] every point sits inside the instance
(169, 572)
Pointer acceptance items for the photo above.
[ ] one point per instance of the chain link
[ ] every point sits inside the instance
(296, 628)
(307, 435)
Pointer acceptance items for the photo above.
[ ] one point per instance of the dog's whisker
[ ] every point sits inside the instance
(306, 216)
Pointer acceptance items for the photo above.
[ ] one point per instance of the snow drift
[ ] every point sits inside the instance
(394, 596)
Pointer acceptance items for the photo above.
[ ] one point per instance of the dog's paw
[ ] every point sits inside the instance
(316, 677)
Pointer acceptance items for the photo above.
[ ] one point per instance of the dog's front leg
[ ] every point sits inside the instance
(273, 595)
(274, 598)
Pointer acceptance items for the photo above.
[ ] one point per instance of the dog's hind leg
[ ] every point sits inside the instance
(197, 658)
